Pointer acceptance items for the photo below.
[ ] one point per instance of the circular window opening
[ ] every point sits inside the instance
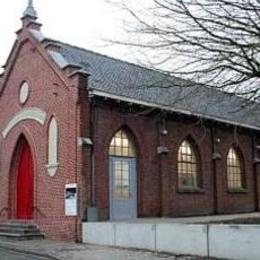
(24, 92)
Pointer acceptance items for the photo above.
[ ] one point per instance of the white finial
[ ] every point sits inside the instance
(30, 11)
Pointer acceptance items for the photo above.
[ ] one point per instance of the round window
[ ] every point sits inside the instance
(24, 92)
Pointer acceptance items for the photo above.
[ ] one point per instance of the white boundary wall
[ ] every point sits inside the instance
(238, 242)
(182, 239)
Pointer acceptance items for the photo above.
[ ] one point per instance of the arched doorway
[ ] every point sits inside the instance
(24, 183)
(122, 177)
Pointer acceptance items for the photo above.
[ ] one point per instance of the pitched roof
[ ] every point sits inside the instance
(123, 80)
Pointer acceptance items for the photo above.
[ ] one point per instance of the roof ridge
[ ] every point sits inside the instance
(113, 58)
(206, 100)
(223, 92)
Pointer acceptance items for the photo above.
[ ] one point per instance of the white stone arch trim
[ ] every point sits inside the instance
(32, 113)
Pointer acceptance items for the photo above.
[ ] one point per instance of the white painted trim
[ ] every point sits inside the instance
(71, 185)
(24, 92)
(53, 143)
(52, 168)
(186, 112)
(31, 113)
(52, 165)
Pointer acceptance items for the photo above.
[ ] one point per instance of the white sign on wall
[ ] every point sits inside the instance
(71, 199)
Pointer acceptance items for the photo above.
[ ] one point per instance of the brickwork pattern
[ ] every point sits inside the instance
(66, 97)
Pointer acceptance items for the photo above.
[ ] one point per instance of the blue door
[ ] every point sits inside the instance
(123, 188)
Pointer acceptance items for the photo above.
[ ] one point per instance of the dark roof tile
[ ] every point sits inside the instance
(125, 79)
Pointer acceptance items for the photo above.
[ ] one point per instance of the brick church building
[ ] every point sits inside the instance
(87, 137)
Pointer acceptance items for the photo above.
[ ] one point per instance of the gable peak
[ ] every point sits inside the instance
(30, 12)
(30, 17)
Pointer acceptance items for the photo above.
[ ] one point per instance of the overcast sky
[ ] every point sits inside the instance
(84, 23)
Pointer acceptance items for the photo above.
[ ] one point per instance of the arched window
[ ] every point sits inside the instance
(235, 169)
(122, 159)
(188, 166)
(53, 147)
(121, 145)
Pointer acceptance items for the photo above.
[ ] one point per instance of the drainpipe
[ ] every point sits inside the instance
(160, 166)
(91, 212)
(82, 81)
(76, 170)
(92, 124)
(255, 171)
(162, 151)
(214, 169)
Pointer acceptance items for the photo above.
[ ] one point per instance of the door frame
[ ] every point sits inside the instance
(13, 173)
(111, 159)
(25, 145)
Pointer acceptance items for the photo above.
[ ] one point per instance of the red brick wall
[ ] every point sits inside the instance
(67, 99)
(235, 202)
(158, 193)
(182, 203)
(145, 135)
(55, 96)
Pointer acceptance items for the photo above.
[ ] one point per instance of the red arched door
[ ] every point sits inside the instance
(25, 184)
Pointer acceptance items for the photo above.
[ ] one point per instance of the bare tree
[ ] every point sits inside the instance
(212, 42)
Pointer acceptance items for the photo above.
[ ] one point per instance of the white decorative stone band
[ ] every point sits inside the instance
(52, 168)
(53, 147)
(32, 113)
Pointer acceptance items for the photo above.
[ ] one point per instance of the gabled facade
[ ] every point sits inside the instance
(83, 138)
(34, 93)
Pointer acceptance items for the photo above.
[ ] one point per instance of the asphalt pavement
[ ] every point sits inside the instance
(13, 255)
(54, 250)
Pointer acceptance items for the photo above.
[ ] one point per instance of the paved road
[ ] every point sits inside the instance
(11, 255)
(73, 251)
